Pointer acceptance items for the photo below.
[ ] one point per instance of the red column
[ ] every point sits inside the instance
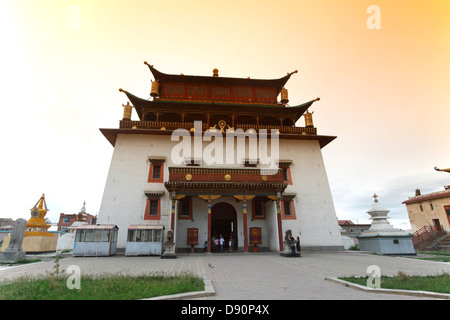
(280, 231)
(244, 215)
(172, 218)
(209, 224)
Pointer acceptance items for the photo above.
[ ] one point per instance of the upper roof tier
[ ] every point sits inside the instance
(216, 88)
(217, 80)
(194, 95)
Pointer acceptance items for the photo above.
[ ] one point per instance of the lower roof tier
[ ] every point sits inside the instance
(111, 134)
(146, 109)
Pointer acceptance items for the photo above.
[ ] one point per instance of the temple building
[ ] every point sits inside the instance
(213, 156)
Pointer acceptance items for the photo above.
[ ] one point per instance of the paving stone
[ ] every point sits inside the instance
(255, 276)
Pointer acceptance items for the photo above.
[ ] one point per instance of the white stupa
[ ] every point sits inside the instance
(380, 224)
(382, 237)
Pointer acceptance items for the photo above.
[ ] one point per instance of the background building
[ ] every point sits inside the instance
(353, 229)
(431, 209)
(66, 220)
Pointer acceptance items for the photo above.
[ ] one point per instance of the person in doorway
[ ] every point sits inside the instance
(221, 240)
(216, 243)
(292, 240)
(297, 244)
(230, 244)
(206, 246)
(213, 243)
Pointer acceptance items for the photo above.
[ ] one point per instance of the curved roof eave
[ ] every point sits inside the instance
(274, 83)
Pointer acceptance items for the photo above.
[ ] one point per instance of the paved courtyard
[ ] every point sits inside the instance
(256, 276)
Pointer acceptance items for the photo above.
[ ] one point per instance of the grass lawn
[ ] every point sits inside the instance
(442, 256)
(439, 283)
(103, 287)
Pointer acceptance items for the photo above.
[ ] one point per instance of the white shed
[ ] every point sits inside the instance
(145, 240)
(95, 240)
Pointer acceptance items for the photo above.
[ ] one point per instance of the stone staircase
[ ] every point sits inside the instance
(441, 239)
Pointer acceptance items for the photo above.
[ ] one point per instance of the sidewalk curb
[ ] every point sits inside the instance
(209, 291)
(391, 291)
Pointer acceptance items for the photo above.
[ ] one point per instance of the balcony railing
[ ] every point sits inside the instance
(244, 175)
(168, 125)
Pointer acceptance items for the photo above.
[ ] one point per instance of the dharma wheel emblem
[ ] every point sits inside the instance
(222, 125)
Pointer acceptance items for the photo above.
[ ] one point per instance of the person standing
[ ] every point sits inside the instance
(297, 244)
(221, 240)
(292, 240)
(230, 244)
(213, 243)
(216, 243)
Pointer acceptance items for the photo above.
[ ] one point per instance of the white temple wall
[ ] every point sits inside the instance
(124, 201)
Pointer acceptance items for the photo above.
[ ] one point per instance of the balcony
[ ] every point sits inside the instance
(223, 175)
(167, 125)
(188, 180)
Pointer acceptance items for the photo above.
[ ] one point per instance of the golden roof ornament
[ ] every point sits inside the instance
(36, 225)
(155, 89)
(127, 111)
(284, 95)
(308, 119)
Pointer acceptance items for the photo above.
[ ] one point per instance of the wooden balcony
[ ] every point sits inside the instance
(188, 180)
(167, 125)
(223, 175)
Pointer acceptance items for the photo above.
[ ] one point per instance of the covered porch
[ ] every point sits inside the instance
(207, 202)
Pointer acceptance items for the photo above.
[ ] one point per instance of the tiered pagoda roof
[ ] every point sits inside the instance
(176, 101)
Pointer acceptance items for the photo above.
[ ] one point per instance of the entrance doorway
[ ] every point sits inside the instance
(224, 222)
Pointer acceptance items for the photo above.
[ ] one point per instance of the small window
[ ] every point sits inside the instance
(140, 235)
(66, 220)
(431, 206)
(131, 235)
(105, 235)
(286, 171)
(185, 207)
(156, 171)
(287, 208)
(421, 208)
(153, 211)
(285, 174)
(258, 209)
(79, 236)
(89, 235)
(97, 235)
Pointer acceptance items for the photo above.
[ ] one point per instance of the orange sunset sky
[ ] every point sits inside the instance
(385, 93)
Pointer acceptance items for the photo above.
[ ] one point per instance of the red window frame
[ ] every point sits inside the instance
(147, 215)
(284, 216)
(263, 208)
(288, 174)
(185, 217)
(161, 173)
